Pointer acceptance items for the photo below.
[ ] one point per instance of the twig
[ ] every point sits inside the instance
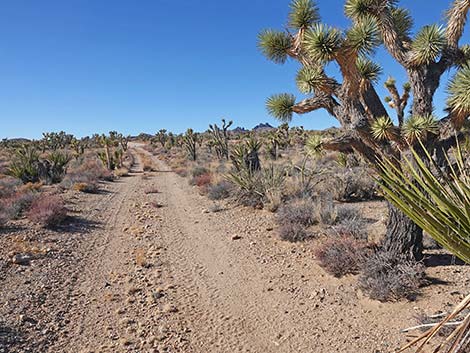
(455, 323)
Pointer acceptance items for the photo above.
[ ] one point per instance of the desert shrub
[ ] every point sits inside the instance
(202, 180)
(17, 203)
(198, 171)
(353, 227)
(293, 232)
(390, 276)
(48, 210)
(346, 212)
(340, 256)
(301, 211)
(220, 190)
(327, 209)
(87, 172)
(8, 186)
(358, 185)
(147, 163)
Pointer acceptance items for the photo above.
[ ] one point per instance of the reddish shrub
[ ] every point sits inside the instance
(48, 210)
(340, 256)
(203, 180)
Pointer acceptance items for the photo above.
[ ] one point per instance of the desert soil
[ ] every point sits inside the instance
(136, 271)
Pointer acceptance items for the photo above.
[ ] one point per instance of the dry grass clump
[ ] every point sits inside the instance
(388, 276)
(147, 163)
(121, 172)
(89, 187)
(342, 255)
(48, 210)
(293, 232)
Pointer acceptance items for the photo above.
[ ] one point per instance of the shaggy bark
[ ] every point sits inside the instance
(403, 235)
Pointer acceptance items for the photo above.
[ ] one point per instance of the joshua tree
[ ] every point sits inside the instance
(220, 138)
(352, 98)
(190, 140)
(162, 137)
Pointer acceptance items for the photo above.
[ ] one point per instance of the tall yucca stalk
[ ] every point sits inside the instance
(440, 206)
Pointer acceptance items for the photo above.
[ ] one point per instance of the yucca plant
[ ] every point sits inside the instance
(441, 206)
(24, 164)
(57, 166)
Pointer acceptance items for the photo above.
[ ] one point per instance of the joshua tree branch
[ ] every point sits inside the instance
(324, 101)
(390, 36)
(456, 20)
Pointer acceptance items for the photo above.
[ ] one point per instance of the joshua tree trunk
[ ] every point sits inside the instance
(403, 235)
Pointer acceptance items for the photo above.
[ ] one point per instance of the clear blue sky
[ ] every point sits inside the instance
(88, 66)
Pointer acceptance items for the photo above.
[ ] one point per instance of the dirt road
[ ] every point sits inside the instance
(148, 271)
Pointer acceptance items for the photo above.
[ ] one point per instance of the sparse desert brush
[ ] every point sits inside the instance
(8, 186)
(87, 172)
(390, 276)
(199, 170)
(17, 203)
(359, 185)
(220, 190)
(293, 232)
(355, 227)
(301, 211)
(341, 255)
(4, 215)
(327, 209)
(48, 211)
(147, 163)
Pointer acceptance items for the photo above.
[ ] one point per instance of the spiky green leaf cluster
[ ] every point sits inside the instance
(364, 36)
(383, 129)
(368, 70)
(427, 45)
(313, 146)
(403, 22)
(303, 13)
(274, 45)
(416, 127)
(310, 79)
(358, 9)
(439, 206)
(390, 82)
(322, 42)
(459, 96)
(280, 106)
